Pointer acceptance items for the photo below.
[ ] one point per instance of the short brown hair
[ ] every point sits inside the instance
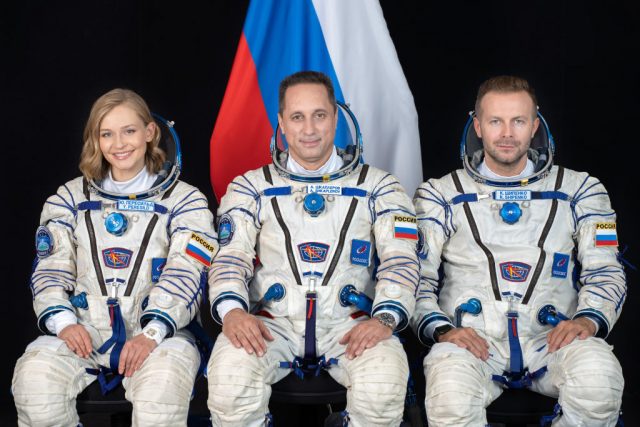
(314, 77)
(505, 84)
(93, 165)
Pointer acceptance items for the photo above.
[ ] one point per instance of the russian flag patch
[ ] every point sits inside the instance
(405, 227)
(200, 249)
(606, 234)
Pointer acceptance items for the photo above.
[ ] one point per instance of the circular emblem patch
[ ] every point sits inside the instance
(226, 228)
(44, 242)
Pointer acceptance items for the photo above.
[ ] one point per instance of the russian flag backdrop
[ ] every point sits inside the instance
(346, 39)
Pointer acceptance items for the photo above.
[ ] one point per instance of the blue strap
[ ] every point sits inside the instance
(547, 420)
(90, 205)
(518, 381)
(118, 337)
(286, 191)
(301, 366)
(96, 205)
(106, 385)
(353, 192)
(549, 195)
(278, 191)
(515, 362)
(310, 327)
(345, 418)
(466, 197)
(117, 340)
(535, 195)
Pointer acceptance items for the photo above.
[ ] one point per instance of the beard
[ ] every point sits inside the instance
(509, 158)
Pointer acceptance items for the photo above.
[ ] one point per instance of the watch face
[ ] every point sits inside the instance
(386, 319)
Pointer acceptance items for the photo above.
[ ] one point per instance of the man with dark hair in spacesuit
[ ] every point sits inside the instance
(509, 232)
(322, 225)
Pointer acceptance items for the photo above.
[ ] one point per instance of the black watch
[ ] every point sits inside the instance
(441, 330)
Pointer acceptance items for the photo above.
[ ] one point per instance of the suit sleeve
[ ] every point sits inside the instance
(238, 227)
(435, 226)
(54, 270)
(394, 227)
(176, 298)
(603, 281)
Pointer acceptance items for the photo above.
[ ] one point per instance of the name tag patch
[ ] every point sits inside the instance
(117, 258)
(360, 250)
(200, 249)
(515, 271)
(560, 265)
(336, 190)
(606, 234)
(313, 252)
(157, 265)
(512, 195)
(135, 205)
(405, 227)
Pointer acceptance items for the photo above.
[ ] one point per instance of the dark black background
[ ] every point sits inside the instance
(58, 57)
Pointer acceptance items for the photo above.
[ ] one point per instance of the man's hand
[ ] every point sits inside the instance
(134, 353)
(469, 339)
(567, 330)
(77, 339)
(363, 336)
(247, 331)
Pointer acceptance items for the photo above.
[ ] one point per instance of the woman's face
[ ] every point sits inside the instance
(123, 141)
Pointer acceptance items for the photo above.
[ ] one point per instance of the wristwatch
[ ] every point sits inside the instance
(441, 330)
(387, 320)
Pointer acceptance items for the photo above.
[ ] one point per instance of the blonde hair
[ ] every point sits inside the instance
(93, 165)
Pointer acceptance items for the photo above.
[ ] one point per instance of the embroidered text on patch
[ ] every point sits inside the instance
(360, 250)
(405, 227)
(200, 249)
(606, 234)
(560, 265)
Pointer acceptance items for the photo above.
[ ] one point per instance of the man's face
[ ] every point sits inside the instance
(309, 121)
(506, 122)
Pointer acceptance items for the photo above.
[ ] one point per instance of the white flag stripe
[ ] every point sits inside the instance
(373, 83)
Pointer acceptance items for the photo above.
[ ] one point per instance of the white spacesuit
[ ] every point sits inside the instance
(512, 253)
(117, 262)
(313, 236)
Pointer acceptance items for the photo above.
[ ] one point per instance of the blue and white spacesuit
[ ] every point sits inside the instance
(314, 236)
(117, 263)
(513, 252)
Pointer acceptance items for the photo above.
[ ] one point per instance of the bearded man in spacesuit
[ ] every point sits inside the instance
(117, 282)
(318, 221)
(524, 245)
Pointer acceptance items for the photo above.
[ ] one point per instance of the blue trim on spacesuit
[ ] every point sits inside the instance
(96, 205)
(226, 296)
(535, 195)
(47, 313)
(426, 321)
(598, 317)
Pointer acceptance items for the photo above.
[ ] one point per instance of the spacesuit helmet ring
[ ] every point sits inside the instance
(168, 174)
(348, 142)
(541, 153)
